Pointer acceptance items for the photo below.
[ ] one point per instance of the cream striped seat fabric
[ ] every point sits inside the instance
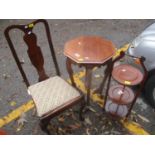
(51, 94)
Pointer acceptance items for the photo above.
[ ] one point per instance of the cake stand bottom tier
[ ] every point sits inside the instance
(116, 109)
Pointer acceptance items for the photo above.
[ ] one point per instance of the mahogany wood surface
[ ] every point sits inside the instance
(89, 49)
(37, 60)
(34, 51)
(90, 52)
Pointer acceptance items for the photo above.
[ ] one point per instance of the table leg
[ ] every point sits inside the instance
(88, 82)
(106, 74)
(70, 71)
(108, 84)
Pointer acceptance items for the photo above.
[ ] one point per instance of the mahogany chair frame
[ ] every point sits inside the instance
(36, 58)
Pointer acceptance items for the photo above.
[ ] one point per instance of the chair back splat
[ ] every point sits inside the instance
(34, 51)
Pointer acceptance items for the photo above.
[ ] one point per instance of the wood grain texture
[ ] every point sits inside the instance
(35, 55)
(89, 49)
(36, 58)
(34, 51)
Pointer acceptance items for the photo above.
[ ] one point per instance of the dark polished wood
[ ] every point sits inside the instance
(88, 80)
(106, 74)
(70, 71)
(90, 52)
(109, 70)
(36, 58)
(34, 50)
(142, 84)
(35, 55)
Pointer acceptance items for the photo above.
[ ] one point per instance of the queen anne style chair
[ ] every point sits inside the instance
(51, 95)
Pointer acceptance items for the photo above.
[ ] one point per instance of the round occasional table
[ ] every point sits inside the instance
(90, 52)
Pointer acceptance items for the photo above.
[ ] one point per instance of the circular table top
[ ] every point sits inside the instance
(127, 75)
(120, 94)
(89, 49)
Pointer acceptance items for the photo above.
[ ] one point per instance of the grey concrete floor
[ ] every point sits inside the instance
(13, 89)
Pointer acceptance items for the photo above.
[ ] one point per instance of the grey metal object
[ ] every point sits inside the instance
(144, 45)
